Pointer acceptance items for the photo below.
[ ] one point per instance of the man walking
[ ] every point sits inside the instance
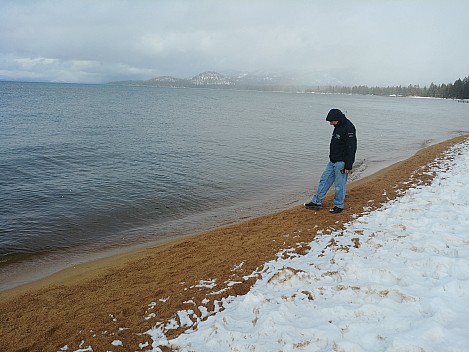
(342, 156)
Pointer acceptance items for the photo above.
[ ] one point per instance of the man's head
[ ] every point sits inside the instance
(335, 116)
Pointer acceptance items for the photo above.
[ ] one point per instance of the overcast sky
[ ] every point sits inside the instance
(368, 42)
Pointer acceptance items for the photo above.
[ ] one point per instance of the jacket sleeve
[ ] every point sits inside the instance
(351, 146)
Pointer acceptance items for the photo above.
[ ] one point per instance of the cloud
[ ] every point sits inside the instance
(359, 42)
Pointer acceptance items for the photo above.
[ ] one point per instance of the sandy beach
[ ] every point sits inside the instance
(112, 299)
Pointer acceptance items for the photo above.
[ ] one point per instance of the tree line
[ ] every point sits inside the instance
(457, 90)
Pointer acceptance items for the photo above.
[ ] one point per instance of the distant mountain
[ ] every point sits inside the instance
(204, 79)
(211, 79)
(250, 79)
(164, 79)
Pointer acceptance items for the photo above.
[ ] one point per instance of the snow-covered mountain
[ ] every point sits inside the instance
(214, 79)
(211, 78)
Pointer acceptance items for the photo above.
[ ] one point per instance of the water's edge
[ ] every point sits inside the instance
(37, 268)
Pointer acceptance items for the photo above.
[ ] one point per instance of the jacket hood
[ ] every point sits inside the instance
(335, 115)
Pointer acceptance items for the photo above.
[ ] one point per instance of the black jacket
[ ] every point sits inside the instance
(343, 143)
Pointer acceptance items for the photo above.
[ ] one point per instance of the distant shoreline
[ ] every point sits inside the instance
(210, 79)
(301, 89)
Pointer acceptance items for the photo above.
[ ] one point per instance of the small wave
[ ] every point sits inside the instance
(358, 170)
(426, 143)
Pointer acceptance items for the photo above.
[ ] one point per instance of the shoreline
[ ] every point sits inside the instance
(125, 284)
(41, 267)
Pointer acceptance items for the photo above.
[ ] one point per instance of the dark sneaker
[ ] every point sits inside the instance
(312, 205)
(336, 210)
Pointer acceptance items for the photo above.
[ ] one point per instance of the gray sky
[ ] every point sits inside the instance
(345, 42)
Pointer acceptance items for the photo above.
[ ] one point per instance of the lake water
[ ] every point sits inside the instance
(88, 169)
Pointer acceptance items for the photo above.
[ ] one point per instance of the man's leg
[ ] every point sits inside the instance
(340, 184)
(326, 181)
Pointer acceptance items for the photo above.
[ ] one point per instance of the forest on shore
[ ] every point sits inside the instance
(457, 90)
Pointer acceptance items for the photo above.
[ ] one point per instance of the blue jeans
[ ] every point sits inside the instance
(332, 174)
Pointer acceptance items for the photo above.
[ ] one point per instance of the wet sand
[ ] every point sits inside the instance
(92, 302)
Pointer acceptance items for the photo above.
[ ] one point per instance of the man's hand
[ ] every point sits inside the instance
(348, 171)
